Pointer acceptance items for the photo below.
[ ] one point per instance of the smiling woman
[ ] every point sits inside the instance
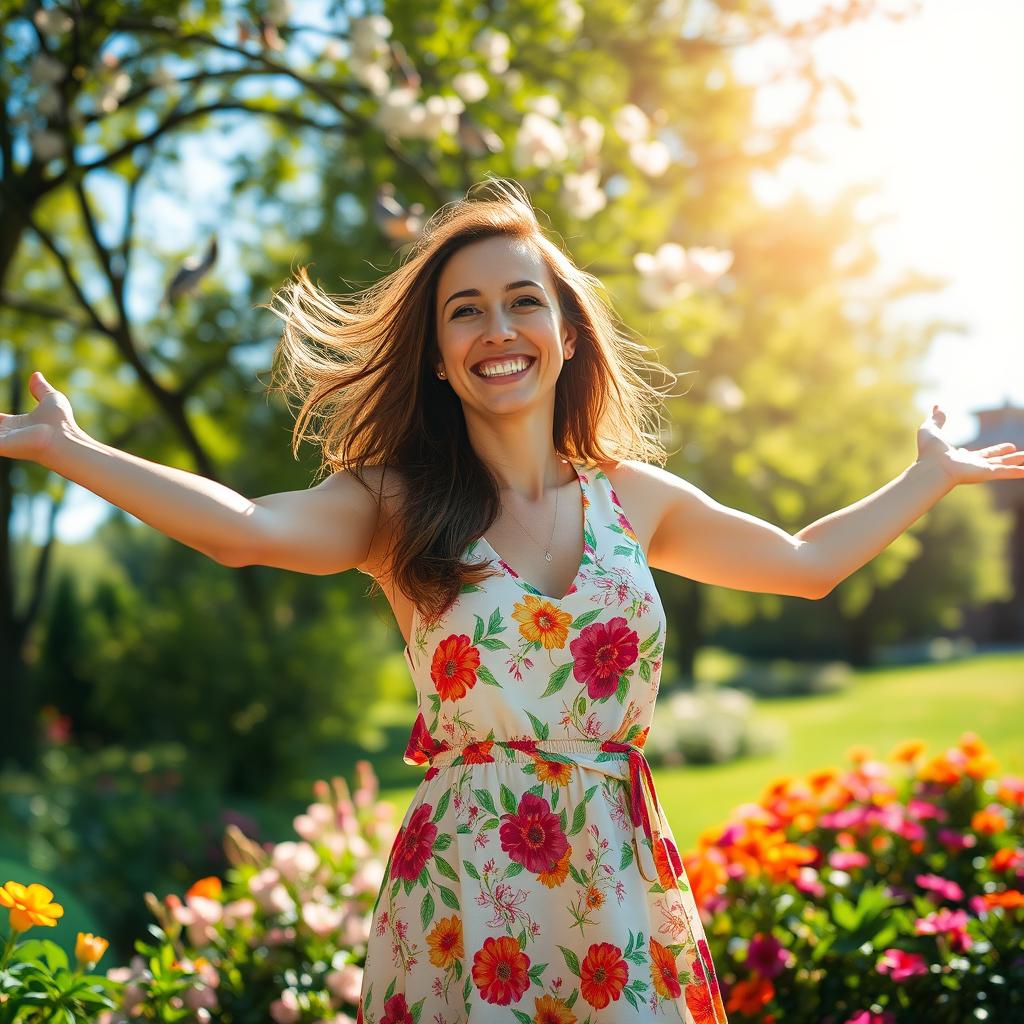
(480, 384)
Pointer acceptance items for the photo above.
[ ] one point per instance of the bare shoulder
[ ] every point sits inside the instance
(643, 491)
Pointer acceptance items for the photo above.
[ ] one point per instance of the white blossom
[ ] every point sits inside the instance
(52, 20)
(582, 194)
(539, 142)
(493, 46)
(470, 85)
(651, 157)
(631, 123)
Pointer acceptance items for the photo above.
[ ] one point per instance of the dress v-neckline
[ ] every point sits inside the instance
(505, 566)
(583, 556)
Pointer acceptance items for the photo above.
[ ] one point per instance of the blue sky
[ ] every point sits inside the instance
(941, 100)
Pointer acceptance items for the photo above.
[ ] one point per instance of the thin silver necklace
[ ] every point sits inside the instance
(547, 550)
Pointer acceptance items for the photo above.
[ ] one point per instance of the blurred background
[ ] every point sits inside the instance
(811, 209)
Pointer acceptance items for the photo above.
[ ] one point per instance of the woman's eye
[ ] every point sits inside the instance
(536, 302)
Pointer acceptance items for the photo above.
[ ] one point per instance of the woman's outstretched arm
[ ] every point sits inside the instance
(325, 529)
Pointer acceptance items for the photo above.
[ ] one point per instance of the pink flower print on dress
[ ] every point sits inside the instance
(602, 652)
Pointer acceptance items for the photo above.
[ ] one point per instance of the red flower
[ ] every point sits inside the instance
(396, 1011)
(499, 970)
(527, 746)
(533, 837)
(478, 752)
(422, 746)
(602, 652)
(453, 667)
(603, 974)
(414, 844)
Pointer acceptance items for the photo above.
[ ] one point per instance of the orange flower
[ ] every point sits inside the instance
(89, 948)
(542, 622)
(445, 941)
(940, 769)
(478, 752)
(1011, 790)
(662, 864)
(558, 773)
(907, 751)
(603, 974)
(594, 897)
(1009, 898)
(209, 887)
(664, 972)
(30, 905)
(556, 876)
(453, 667)
(552, 1011)
(972, 745)
(500, 970)
(706, 874)
(989, 821)
(1007, 859)
(858, 754)
(749, 996)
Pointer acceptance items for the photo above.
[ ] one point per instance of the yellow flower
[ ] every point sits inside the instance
(89, 948)
(29, 906)
(542, 622)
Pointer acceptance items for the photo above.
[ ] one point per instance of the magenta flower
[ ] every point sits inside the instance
(900, 965)
(766, 955)
(533, 836)
(867, 1017)
(951, 923)
(943, 886)
(602, 652)
(844, 860)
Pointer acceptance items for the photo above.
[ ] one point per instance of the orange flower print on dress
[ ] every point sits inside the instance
(703, 998)
(667, 861)
(414, 844)
(499, 971)
(478, 752)
(558, 874)
(445, 941)
(603, 974)
(542, 622)
(602, 652)
(664, 972)
(533, 836)
(453, 667)
(558, 773)
(552, 1011)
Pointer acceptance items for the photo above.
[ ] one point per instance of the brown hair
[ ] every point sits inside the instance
(361, 367)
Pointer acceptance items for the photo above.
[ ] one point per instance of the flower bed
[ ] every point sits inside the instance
(885, 893)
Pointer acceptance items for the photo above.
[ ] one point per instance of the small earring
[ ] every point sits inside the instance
(441, 375)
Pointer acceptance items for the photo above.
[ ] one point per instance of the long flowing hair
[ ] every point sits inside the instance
(357, 372)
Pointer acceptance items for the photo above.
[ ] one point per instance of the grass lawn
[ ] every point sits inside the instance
(934, 703)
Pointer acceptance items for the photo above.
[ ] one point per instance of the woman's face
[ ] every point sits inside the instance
(481, 323)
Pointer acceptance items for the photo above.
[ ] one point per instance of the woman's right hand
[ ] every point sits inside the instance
(30, 435)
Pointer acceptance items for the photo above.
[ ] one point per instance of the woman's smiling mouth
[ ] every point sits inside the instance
(505, 369)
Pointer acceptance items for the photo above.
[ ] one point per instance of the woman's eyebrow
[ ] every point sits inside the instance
(476, 291)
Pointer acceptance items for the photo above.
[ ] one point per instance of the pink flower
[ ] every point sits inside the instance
(286, 1010)
(844, 860)
(900, 965)
(602, 652)
(766, 955)
(952, 923)
(867, 1017)
(943, 886)
(533, 836)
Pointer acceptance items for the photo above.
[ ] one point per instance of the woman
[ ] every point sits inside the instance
(479, 400)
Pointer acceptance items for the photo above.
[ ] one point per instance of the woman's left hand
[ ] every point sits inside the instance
(965, 465)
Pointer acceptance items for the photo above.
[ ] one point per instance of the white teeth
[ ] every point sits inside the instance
(503, 369)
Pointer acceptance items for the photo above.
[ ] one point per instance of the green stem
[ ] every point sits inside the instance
(8, 949)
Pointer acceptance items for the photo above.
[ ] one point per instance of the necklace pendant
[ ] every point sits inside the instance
(547, 556)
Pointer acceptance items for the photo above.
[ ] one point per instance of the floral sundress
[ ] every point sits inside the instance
(534, 878)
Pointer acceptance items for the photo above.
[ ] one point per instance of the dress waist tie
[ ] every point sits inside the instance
(642, 797)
